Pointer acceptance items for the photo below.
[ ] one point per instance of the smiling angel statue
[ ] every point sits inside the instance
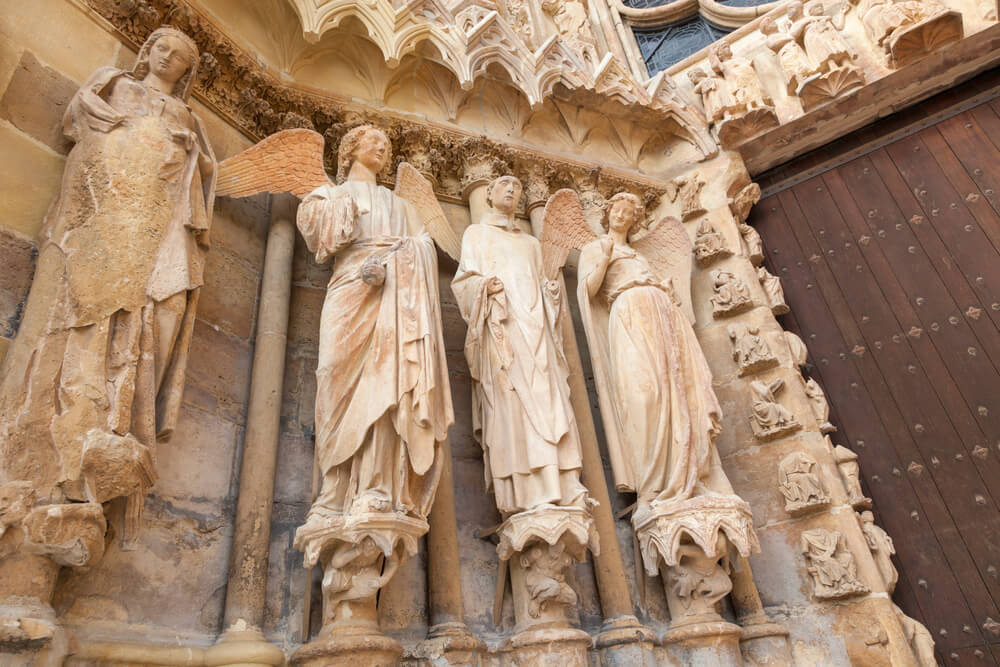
(660, 412)
(383, 403)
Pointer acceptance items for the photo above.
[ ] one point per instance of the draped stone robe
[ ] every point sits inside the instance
(383, 402)
(521, 402)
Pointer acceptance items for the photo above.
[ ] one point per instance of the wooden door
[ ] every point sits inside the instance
(891, 266)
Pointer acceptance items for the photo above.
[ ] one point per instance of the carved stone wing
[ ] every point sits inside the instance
(564, 228)
(287, 161)
(667, 248)
(417, 190)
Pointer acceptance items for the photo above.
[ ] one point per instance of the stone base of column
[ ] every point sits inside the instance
(451, 644)
(245, 647)
(714, 643)
(349, 646)
(548, 647)
(764, 642)
(30, 634)
(625, 641)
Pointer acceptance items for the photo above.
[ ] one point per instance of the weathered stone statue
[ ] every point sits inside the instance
(688, 190)
(907, 30)
(847, 464)
(750, 351)
(820, 408)
(753, 246)
(881, 547)
(731, 295)
(709, 245)
(660, 411)
(383, 402)
(521, 407)
(95, 375)
(573, 24)
(831, 564)
(773, 291)
(735, 102)
(795, 65)
(770, 419)
(799, 483)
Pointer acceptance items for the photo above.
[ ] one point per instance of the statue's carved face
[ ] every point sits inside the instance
(373, 150)
(505, 194)
(169, 58)
(621, 216)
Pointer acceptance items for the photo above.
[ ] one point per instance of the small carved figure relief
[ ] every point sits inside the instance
(573, 24)
(731, 295)
(716, 96)
(799, 483)
(744, 199)
(709, 245)
(881, 547)
(746, 108)
(697, 583)
(907, 30)
(688, 190)
(750, 351)
(831, 565)
(797, 349)
(850, 472)
(919, 638)
(752, 244)
(795, 65)
(820, 38)
(545, 577)
(772, 290)
(820, 408)
(770, 419)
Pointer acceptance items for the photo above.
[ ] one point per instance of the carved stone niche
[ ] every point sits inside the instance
(750, 351)
(831, 565)
(800, 484)
(709, 245)
(847, 464)
(769, 419)
(541, 544)
(907, 30)
(731, 297)
(694, 540)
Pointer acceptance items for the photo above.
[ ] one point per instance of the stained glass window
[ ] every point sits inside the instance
(646, 4)
(662, 47)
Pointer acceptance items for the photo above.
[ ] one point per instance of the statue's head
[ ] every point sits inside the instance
(504, 194)
(794, 10)
(768, 26)
(172, 56)
(365, 144)
(696, 75)
(624, 212)
(815, 8)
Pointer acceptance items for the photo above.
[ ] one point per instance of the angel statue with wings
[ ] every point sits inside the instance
(383, 402)
(660, 412)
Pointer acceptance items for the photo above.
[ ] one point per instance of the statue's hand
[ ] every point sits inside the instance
(494, 286)
(373, 273)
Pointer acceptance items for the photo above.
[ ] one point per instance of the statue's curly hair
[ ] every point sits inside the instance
(349, 144)
(640, 210)
(489, 188)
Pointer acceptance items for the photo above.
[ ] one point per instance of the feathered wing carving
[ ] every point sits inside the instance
(668, 250)
(287, 161)
(414, 188)
(564, 227)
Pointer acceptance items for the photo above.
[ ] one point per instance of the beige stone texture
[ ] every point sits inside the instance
(17, 256)
(35, 101)
(29, 184)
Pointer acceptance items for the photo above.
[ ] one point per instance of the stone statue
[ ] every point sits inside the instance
(383, 400)
(847, 464)
(822, 42)
(820, 408)
(881, 547)
(521, 410)
(95, 376)
(731, 296)
(795, 65)
(573, 24)
(742, 78)
(752, 243)
(831, 565)
(770, 419)
(709, 244)
(716, 95)
(907, 30)
(799, 483)
(773, 291)
(688, 190)
(660, 411)
(750, 351)
(739, 107)
(919, 638)
(797, 349)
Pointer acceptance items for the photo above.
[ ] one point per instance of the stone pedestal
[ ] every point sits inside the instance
(705, 644)
(625, 642)
(351, 638)
(451, 644)
(763, 642)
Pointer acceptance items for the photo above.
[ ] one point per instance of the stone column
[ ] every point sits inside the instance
(479, 167)
(761, 637)
(245, 593)
(623, 639)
